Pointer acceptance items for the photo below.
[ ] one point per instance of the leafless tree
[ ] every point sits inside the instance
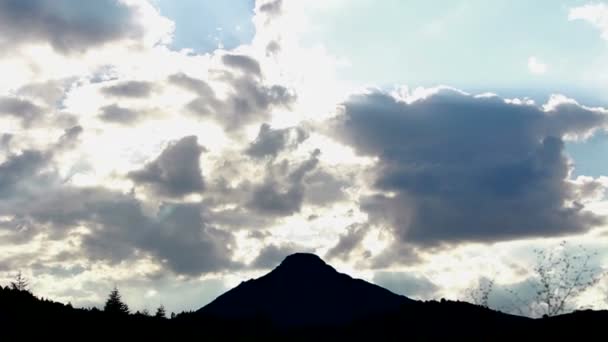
(561, 275)
(480, 294)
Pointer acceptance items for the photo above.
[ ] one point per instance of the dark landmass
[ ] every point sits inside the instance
(301, 299)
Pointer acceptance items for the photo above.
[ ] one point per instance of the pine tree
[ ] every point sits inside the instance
(160, 312)
(114, 304)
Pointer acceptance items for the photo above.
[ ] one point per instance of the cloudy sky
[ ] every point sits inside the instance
(178, 147)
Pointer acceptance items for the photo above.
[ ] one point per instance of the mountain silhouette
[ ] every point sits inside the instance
(305, 291)
(302, 299)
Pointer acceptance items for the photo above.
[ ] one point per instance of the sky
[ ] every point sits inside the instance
(176, 148)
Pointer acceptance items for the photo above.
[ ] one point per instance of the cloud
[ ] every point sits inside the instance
(179, 236)
(117, 114)
(67, 25)
(20, 108)
(596, 14)
(282, 192)
(5, 141)
(348, 242)
(270, 142)
(410, 285)
(16, 170)
(271, 8)
(70, 137)
(271, 255)
(134, 89)
(50, 92)
(455, 167)
(177, 170)
(244, 63)
(248, 100)
(535, 66)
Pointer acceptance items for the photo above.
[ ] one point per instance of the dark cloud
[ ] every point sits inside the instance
(272, 8)
(134, 89)
(5, 141)
(269, 198)
(410, 285)
(177, 170)
(348, 242)
(179, 236)
(117, 114)
(244, 63)
(464, 168)
(195, 85)
(282, 192)
(70, 137)
(272, 48)
(67, 25)
(271, 255)
(19, 108)
(247, 101)
(182, 237)
(17, 168)
(324, 187)
(270, 142)
(397, 253)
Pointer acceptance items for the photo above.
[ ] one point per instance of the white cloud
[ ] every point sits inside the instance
(536, 66)
(596, 14)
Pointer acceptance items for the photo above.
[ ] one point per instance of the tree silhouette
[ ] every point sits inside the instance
(160, 312)
(114, 303)
(20, 283)
(560, 277)
(480, 294)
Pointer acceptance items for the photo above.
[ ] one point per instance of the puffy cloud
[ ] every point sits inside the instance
(271, 255)
(38, 202)
(454, 167)
(17, 170)
(270, 142)
(248, 100)
(271, 8)
(348, 242)
(282, 192)
(70, 137)
(245, 63)
(178, 236)
(177, 170)
(596, 14)
(20, 108)
(72, 26)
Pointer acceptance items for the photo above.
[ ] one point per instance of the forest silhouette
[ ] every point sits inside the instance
(301, 299)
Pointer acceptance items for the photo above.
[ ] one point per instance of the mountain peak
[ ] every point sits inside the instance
(302, 262)
(304, 290)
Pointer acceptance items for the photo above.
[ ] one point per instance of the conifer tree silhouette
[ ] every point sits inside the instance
(20, 283)
(160, 312)
(114, 303)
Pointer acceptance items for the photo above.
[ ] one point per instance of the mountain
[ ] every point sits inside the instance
(303, 299)
(305, 291)
(306, 299)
